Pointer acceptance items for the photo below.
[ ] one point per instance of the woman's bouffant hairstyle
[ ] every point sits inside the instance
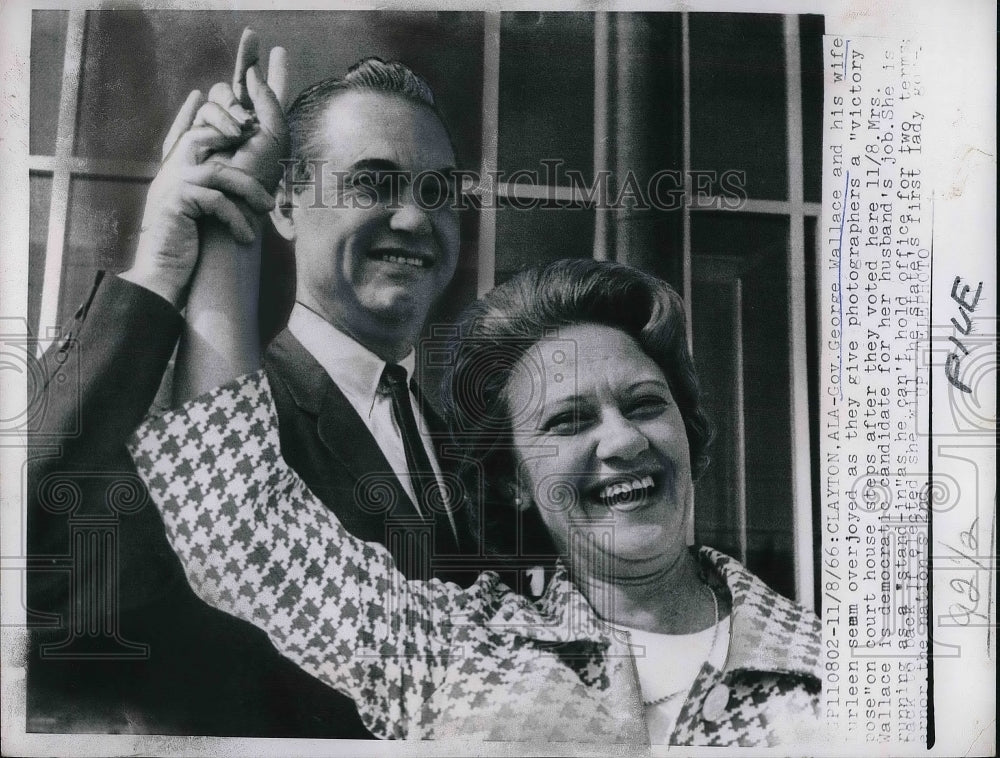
(495, 332)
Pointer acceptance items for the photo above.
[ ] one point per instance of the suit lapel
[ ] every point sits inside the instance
(352, 463)
(339, 427)
(347, 437)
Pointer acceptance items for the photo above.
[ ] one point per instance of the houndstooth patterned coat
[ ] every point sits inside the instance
(429, 660)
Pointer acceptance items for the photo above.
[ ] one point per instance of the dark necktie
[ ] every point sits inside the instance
(422, 476)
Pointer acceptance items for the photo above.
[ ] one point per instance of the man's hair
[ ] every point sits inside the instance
(305, 115)
(495, 332)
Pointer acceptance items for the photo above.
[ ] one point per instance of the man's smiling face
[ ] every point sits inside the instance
(373, 258)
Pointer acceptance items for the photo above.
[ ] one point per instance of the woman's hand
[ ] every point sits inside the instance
(221, 162)
(254, 109)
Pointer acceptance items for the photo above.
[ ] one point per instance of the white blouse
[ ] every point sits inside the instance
(669, 663)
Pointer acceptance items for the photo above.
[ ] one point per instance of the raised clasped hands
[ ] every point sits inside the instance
(221, 164)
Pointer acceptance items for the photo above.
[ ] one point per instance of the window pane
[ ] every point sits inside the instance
(530, 237)
(462, 289)
(729, 233)
(460, 292)
(716, 343)
(48, 44)
(738, 99)
(102, 231)
(811, 31)
(546, 91)
(756, 247)
(40, 197)
(128, 101)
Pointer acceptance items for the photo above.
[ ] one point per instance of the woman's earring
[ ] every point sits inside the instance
(514, 493)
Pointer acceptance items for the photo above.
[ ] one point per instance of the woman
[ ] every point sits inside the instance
(574, 394)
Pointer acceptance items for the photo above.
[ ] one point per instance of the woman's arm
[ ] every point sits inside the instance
(256, 543)
(221, 340)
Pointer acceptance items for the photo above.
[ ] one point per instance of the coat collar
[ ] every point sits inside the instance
(561, 615)
(302, 375)
(768, 631)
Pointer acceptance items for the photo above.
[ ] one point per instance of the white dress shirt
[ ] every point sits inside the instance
(356, 371)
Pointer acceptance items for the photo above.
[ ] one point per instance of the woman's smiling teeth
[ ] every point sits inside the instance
(626, 495)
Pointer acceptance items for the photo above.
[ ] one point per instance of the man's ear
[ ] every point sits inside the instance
(281, 216)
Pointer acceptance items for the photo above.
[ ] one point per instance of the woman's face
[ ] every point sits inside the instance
(602, 450)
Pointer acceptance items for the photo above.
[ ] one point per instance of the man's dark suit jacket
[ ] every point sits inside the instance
(162, 661)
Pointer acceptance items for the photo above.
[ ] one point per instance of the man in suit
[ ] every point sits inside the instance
(367, 274)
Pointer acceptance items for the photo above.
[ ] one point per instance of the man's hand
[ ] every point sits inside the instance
(220, 162)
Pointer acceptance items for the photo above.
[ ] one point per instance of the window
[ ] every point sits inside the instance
(601, 95)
